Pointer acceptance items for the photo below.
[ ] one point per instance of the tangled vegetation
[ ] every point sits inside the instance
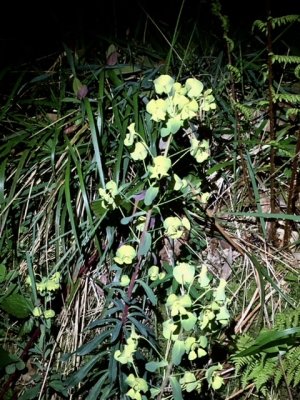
(149, 221)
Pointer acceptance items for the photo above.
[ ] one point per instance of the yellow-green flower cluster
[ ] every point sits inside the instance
(199, 149)
(46, 284)
(38, 312)
(125, 254)
(174, 226)
(126, 356)
(140, 151)
(108, 195)
(182, 102)
(137, 385)
(160, 167)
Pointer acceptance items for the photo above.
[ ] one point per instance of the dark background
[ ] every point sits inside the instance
(33, 29)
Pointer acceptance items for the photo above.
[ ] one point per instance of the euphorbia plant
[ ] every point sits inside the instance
(162, 316)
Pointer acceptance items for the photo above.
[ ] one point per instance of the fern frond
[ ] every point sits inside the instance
(276, 22)
(262, 373)
(292, 364)
(245, 110)
(278, 376)
(296, 379)
(260, 25)
(286, 98)
(287, 319)
(242, 343)
(297, 71)
(284, 59)
(292, 112)
(285, 20)
(235, 72)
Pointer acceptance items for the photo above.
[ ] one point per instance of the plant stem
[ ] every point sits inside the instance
(136, 269)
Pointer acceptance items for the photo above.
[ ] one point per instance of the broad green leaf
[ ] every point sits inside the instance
(176, 388)
(17, 305)
(97, 388)
(178, 351)
(2, 273)
(5, 358)
(149, 292)
(151, 193)
(80, 375)
(59, 387)
(31, 393)
(152, 366)
(145, 244)
(188, 321)
(127, 220)
(268, 339)
(87, 348)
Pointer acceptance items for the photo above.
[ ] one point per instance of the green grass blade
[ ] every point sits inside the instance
(256, 193)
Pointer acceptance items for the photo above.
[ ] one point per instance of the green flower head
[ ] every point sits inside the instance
(160, 168)
(164, 84)
(154, 273)
(184, 273)
(125, 254)
(125, 280)
(178, 304)
(49, 314)
(189, 110)
(137, 385)
(178, 88)
(172, 126)
(140, 152)
(175, 226)
(108, 195)
(194, 88)
(131, 135)
(208, 101)
(126, 356)
(199, 149)
(157, 109)
(189, 382)
(179, 183)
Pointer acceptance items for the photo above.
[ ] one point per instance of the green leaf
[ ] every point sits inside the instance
(31, 393)
(176, 388)
(150, 195)
(267, 340)
(16, 305)
(97, 388)
(20, 365)
(127, 220)
(145, 244)
(59, 387)
(98, 209)
(178, 351)
(188, 321)
(152, 366)
(5, 358)
(93, 344)
(2, 273)
(10, 369)
(79, 376)
(149, 292)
